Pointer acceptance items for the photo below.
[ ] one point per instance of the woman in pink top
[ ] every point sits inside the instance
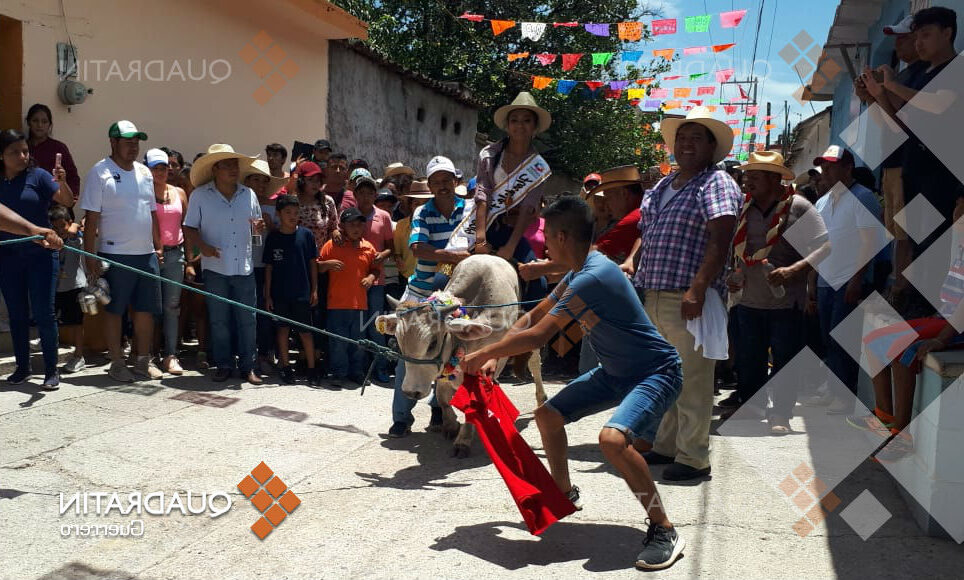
(171, 205)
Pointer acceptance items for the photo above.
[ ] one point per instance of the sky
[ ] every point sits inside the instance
(784, 19)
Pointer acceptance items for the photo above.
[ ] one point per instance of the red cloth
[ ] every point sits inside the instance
(618, 241)
(533, 489)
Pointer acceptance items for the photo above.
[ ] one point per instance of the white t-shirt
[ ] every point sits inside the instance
(846, 212)
(668, 194)
(125, 200)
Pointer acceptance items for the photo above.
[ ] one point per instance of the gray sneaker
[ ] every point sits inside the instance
(74, 364)
(119, 372)
(573, 496)
(661, 547)
(145, 367)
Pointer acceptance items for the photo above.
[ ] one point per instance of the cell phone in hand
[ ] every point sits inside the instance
(302, 149)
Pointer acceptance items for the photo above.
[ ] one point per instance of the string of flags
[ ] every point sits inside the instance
(625, 31)
(570, 60)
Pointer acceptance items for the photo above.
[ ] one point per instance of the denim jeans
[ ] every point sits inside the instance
(30, 276)
(171, 269)
(832, 309)
(759, 332)
(265, 326)
(224, 318)
(376, 306)
(345, 359)
(401, 405)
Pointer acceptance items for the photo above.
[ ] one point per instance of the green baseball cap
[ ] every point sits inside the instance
(125, 130)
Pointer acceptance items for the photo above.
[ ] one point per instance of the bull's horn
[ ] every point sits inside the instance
(392, 302)
(447, 309)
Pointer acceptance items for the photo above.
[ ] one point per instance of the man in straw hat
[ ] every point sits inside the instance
(121, 224)
(772, 276)
(224, 220)
(687, 225)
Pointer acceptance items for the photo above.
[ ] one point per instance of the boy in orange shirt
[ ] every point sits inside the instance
(351, 271)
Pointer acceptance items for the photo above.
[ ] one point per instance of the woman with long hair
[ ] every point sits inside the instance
(44, 148)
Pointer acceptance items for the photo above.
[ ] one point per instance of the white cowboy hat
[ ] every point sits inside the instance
(701, 115)
(523, 101)
(398, 169)
(770, 161)
(419, 190)
(260, 167)
(201, 171)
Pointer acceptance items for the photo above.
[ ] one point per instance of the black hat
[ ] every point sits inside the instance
(322, 144)
(385, 195)
(351, 214)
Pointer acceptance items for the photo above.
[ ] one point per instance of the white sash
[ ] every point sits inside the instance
(530, 174)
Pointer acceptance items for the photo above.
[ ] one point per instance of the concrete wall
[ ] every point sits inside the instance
(813, 143)
(373, 114)
(176, 111)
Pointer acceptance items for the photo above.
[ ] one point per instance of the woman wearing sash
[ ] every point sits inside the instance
(499, 187)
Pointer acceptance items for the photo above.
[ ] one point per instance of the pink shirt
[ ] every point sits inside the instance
(378, 232)
(535, 234)
(169, 218)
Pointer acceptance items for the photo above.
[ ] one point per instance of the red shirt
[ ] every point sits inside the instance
(345, 291)
(378, 232)
(618, 241)
(45, 156)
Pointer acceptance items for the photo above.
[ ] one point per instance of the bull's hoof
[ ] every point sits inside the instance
(459, 451)
(451, 431)
(434, 428)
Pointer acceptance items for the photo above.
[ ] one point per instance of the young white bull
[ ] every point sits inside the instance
(434, 333)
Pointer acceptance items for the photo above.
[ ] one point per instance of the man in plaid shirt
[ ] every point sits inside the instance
(687, 225)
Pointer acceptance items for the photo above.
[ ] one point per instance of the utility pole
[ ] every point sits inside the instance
(750, 100)
(767, 121)
(786, 129)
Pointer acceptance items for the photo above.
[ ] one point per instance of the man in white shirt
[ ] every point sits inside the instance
(222, 218)
(121, 225)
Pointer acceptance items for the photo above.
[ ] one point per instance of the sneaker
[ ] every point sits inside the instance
(682, 472)
(288, 375)
(399, 430)
(202, 361)
(821, 399)
(172, 365)
(51, 382)
(35, 345)
(900, 445)
(871, 423)
(18, 377)
(661, 547)
(314, 378)
(840, 407)
(654, 458)
(74, 364)
(731, 402)
(119, 372)
(573, 496)
(145, 367)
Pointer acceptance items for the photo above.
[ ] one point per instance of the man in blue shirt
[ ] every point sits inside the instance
(639, 371)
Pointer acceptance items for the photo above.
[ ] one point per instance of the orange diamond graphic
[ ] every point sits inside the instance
(290, 501)
(803, 500)
(803, 472)
(262, 40)
(262, 67)
(261, 528)
(276, 54)
(248, 53)
(830, 501)
(248, 486)
(275, 82)
(289, 68)
(817, 487)
(789, 485)
(262, 95)
(816, 514)
(575, 333)
(831, 69)
(262, 473)
(802, 527)
(261, 500)
(275, 487)
(275, 514)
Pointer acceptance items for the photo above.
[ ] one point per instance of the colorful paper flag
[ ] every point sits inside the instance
(697, 102)
(760, 146)
(711, 108)
(659, 93)
(722, 47)
(664, 26)
(666, 53)
(672, 78)
(736, 132)
(699, 23)
(769, 127)
(681, 92)
(597, 29)
(613, 93)
(752, 109)
(500, 26)
(668, 105)
(630, 55)
(565, 86)
(473, 17)
(731, 19)
(729, 109)
(645, 81)
(593, 85)
(636, 93)
(652, 103)
(751, 130)
(743, 157)
(630, 31)
(570, 60)
(601, 58)
(696, 76)
(700, 91)
(694, 50)
(533, 30)
(732, 121)
(743, 94)
(540, 82)
(545, 58)
(768, 117)
(618, 85)
(565, 24)
(517, 55)
(724, 75)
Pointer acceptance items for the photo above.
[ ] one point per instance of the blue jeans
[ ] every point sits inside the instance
(760, 332)
(832, 309)
(344, 359)
(30, 276)
(224, 318)
(172, 269)
(401, 405)
(376, 306)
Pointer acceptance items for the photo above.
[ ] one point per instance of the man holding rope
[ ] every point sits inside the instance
(639, 374)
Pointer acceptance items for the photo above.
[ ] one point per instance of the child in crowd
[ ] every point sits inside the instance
(352, 271)
(72, 280)
(291, 283)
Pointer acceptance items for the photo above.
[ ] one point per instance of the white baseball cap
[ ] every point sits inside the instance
(156, 157)
(902, 27)
(439, 163)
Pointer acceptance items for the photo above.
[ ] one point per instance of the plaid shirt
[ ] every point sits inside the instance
(674, 237)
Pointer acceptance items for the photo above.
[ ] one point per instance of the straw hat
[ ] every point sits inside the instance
(805, 176)
(260, 167)
(617, 177)
(419, 190)
(398, 169)
(201, 171)
(770, 161)
(523, 101)
(702, 116)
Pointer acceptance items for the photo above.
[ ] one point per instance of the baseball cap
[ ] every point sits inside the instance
(592, 177)
(156, 157)
(308, 169)
(322, 144)
(365, 180)
(385, 195)
(902, 27)
(351, 214)
(125, 130)
(439, 163)
(833, 154)
(358, 173)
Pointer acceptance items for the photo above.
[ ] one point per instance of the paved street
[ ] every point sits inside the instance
(378, 508)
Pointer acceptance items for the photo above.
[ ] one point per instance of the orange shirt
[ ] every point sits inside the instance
(344, 286)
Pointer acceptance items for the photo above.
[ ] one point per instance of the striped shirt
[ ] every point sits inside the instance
(429, 226)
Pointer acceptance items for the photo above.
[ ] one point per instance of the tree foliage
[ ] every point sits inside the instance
(589, 133)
